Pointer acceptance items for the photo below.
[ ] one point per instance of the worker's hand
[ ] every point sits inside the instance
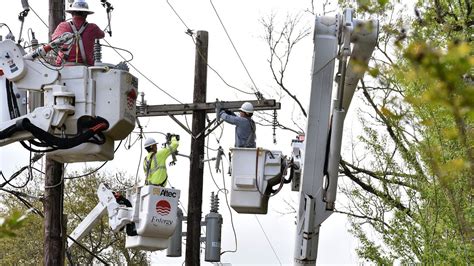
(229, 112)
(177, 137)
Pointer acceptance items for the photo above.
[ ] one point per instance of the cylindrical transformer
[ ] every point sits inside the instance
(213, 237)
(174, 247)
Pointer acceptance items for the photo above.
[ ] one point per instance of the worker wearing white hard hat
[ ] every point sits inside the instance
(82, 51)
(154, 164)
(244, 125)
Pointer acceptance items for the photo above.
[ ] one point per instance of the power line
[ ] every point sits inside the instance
(268, 240)
(257, 93)
(190, 32)
(143, 75)
(31, 8)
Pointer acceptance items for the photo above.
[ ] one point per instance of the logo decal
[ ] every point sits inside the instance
(131, 98)
(163, 207)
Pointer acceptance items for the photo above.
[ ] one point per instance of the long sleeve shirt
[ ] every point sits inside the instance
(88, 37)
(154, 164)
(244, 129)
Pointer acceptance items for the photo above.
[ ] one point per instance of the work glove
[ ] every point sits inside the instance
(229, 112)
(176, 136)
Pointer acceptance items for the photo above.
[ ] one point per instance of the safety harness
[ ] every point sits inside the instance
(79, 43)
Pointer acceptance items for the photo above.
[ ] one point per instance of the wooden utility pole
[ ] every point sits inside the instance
(54, 240)
(196, 171)
(199, 108)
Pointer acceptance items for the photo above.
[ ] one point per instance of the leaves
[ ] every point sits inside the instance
(8, 225)
(418, 141)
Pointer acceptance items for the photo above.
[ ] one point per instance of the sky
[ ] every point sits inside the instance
(162, 51)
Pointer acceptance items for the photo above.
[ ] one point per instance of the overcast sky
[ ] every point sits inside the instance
(165, 54)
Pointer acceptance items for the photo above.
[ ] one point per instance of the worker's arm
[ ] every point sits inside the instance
(167, 151)
(230, 117)
(174, 144)
(96, 31)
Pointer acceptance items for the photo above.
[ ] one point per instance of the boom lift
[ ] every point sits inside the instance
(85, 108)
(151, 216)
(332, 38)
(315, 159)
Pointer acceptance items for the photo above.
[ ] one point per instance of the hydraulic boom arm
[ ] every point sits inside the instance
(352, 42)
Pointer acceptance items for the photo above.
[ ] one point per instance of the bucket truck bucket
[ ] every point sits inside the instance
(98, 91)
(254, 170)
(155, 217)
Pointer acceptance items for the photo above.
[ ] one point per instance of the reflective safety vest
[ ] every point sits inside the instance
(154, 164)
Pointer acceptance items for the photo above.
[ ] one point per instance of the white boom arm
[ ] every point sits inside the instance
(326, 120)
(119, 215)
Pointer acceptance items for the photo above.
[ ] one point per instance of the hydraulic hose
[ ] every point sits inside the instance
(88, 128)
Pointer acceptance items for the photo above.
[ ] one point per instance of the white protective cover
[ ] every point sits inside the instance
(157, 216)
(252, 171)
(98, 91)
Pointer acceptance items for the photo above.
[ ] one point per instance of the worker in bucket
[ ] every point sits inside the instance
(244, 125)
(154, 164)
(82, 50)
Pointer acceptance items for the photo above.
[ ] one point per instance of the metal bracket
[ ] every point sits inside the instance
(180, 124)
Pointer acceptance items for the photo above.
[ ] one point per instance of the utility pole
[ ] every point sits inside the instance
(199, 108)
(54, 233)
(196, 169)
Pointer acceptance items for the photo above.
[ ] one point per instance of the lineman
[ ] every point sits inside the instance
(244, 125)
(154, 164)
(86, 33)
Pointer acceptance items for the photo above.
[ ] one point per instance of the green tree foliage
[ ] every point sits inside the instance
(80, 198)
(413, 198)
(26, 246)
(9, 224)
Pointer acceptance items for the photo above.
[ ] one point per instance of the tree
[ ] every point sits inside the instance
(411, 172)
(418, 140)
(101, 242)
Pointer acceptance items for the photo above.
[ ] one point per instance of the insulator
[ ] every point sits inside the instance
(122, 66)
(274, 125)
(214, 203)
(97, 51)
(34, 44)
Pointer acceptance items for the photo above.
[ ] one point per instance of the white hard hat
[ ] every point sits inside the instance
(149, 142)
(247, 107)
(79, 6)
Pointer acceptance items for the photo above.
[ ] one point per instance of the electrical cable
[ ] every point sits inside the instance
(121, 49)
(139, 161)
(209, 164)
(230, 213)
(19, 196)
(17, 173)
(268, 240)
(257, 92)
(31, 8)
(143, 75)
(188, 30)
